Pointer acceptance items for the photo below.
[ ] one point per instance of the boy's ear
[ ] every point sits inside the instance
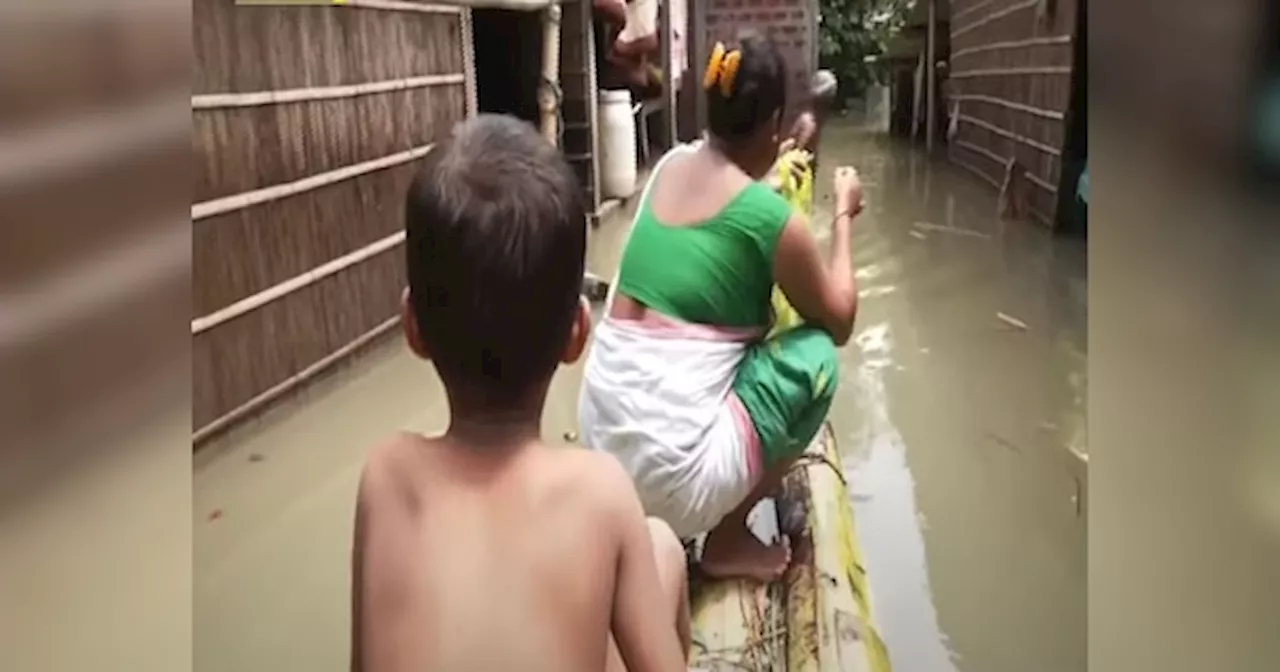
(579, 333)
(409, 324)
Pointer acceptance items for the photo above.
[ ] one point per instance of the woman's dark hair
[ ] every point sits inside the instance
(757, 88)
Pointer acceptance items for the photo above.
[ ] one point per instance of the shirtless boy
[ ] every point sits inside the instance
(483, 549)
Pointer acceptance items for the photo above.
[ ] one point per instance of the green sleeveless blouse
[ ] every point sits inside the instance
(715, 272)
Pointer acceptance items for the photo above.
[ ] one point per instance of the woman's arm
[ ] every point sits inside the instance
(824, 293)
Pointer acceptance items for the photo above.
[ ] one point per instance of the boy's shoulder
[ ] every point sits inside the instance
(588, 474)
(592, 474)
(390, 466)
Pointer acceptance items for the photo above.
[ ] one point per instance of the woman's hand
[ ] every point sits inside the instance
(848, 191)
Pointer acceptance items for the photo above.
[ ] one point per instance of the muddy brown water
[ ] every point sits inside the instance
(963, 437)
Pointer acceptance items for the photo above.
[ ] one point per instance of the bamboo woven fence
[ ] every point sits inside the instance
(1010, 77)
(307, 123)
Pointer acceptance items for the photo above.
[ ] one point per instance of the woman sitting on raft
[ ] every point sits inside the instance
(680, 384)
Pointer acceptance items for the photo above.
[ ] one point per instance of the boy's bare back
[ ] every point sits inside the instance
(490, 559)
(483, 549)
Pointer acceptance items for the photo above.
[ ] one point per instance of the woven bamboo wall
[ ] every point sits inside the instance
(1011, 75)
(297, 214)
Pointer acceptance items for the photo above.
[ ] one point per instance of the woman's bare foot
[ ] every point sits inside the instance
(733, 552)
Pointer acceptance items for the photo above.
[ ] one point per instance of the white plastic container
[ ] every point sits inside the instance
(617, 145)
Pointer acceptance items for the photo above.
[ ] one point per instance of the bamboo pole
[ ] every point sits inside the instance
(963, 11)
(977, 149)
(998, 14)
(1037, 111)
(593, 104)
(275, 392)
(931, 111)
(549, 96)
(275, 292)
(469, 64)
(212, 101)
(1053, 151)
(517, 5)
(979, 173)
(1039, 182)
(393, 6)
(246, 199)
(1013, 44)
(999, 72)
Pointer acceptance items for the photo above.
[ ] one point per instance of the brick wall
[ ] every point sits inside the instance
(791, 24)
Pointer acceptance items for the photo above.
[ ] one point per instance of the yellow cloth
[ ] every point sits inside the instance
(795, 183)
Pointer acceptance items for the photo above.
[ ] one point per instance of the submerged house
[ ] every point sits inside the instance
(913, 57)
(307, 124)
(1017, 91)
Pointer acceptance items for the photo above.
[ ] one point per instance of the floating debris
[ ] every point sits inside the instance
(1078, 498)
(215, 514)
(595, 288)
(942, 228)
(1004, 442)
(1012, 321)
(1048, 426)
(916, 234)
(571, 436)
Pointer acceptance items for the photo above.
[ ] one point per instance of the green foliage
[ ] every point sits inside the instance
(853, 35)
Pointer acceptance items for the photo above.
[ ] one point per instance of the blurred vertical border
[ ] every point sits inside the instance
(94, 357)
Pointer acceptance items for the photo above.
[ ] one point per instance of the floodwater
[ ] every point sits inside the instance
(962, 419)
(964, 436)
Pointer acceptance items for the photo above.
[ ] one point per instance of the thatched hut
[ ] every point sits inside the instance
(307, 123)
(1017, 91)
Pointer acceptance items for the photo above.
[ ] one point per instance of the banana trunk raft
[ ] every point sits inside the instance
(818, 617)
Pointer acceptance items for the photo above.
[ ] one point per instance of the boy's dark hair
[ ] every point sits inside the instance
(759, 90)
(495, 240)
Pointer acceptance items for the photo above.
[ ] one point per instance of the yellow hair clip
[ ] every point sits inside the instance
(729, 71)
(712, 74)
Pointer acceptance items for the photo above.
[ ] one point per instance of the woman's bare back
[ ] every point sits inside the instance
(690, 189)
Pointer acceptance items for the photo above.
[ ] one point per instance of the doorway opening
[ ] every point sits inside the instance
(508, 60)
(1073, 196)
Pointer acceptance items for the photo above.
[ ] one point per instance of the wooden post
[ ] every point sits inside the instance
(548, 93)
(931, 49)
